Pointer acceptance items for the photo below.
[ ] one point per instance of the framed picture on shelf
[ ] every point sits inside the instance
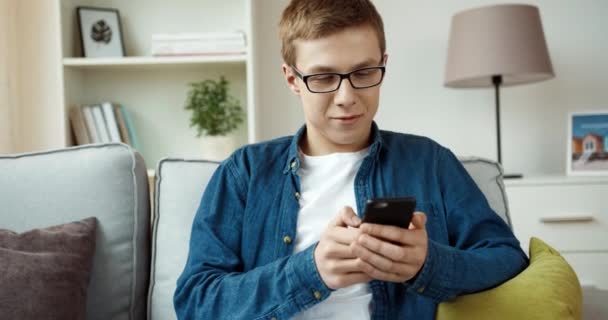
(588, 143)
(100, 32)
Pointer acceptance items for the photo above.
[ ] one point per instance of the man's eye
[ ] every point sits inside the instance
(323, 78)
(363, 73)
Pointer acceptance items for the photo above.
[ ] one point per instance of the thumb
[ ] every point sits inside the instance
(418, 221)
(347, 217)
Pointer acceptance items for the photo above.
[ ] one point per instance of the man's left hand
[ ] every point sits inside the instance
(391, 253)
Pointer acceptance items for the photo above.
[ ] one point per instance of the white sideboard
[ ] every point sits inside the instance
(571, 215)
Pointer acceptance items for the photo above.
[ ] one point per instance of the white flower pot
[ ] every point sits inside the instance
(218, 148)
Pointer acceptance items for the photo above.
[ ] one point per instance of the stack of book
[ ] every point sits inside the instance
(193, 44)
(101, 123)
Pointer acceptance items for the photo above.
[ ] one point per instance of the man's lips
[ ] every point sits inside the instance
(346, 118)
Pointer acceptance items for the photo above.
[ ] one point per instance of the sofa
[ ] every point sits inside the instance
(141, 240)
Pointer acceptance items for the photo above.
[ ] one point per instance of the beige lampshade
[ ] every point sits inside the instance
(505, 40)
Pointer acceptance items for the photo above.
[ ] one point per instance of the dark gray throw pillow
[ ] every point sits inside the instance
(44, 273)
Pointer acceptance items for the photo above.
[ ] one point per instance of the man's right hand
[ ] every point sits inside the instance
(336, 263)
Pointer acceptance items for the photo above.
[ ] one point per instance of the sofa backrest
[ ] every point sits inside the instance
(108, 181)
(178, 191)
(179, 187)
(487, 174)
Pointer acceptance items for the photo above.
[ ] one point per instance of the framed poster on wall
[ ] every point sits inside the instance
(587, 143)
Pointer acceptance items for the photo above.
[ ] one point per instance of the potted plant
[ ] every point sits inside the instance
(215, 115)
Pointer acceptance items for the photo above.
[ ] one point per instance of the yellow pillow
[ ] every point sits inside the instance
(547, 289)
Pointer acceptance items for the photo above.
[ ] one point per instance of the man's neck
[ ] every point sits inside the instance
(318, 146)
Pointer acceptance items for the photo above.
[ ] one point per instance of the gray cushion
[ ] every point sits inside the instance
(179, 188)
(45, 272)
(107, 181)
(488, 177)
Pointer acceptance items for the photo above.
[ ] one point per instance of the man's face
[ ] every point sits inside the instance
(338, 121)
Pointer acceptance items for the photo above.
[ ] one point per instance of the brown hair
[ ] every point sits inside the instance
(314, 19)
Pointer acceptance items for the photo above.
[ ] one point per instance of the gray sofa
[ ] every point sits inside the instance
(140, 251)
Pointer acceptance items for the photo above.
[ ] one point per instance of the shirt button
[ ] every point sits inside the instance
(298, 195)
(287, 239)
(273, 318)
(293, 164)
(421, 289)
(317, 295)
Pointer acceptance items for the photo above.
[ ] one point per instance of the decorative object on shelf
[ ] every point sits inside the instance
(587, 143)
(100, 32)
(215, 114)
(199, 44)
(500, 45)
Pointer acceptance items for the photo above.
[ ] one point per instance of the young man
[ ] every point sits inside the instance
(278, 233)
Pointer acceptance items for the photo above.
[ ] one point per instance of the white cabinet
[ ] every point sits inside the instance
(571, 215)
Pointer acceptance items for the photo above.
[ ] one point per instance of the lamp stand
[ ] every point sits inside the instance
(497, 81)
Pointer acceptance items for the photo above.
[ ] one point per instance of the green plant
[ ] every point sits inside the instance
(214, 111)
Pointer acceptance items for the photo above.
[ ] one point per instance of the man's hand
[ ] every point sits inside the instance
(391, 253)
(338, 265)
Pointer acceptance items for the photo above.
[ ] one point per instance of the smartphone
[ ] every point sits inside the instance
(390, 211)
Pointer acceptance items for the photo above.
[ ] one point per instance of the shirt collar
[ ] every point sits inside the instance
(293, 161)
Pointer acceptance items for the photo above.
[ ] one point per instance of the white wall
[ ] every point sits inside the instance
(534, 117)
(6, 93)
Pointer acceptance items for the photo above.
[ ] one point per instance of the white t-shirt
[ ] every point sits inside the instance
(327, 185)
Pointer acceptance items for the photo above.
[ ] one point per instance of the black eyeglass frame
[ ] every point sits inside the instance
(341, 75)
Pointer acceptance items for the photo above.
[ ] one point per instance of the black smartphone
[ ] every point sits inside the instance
(390, 211)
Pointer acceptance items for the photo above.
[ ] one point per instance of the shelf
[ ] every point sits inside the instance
(151, 62)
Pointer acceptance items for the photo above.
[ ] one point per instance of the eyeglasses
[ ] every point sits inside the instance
(329, 82)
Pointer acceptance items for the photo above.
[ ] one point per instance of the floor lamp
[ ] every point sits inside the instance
(494, 46)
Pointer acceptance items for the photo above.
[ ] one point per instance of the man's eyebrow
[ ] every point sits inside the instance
(322, 69)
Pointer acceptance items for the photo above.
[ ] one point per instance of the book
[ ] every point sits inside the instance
(197, 49)
(198, 43)
(122, 125)
(131, 128)
(110, 120)
(100, 124)
(205, 36)
(79, 126)
(87, 111)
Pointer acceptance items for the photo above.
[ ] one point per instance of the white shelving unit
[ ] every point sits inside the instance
(153, 89)
(150, 62)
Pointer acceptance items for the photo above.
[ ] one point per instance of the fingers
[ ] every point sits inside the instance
(343, 235)
(390, 233)
(378, 261)
(338, 251)
(386, 261)
(346, 217)
(396, 234)
(418, 221)
(379, 247)
(378, 274)
(391, 253)
(342, 266)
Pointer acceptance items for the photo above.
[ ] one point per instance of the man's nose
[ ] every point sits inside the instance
(345, 96)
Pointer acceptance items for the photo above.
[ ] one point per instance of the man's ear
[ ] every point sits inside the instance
(384, 59)
(292, 80)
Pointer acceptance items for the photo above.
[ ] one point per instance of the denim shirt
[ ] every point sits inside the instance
(241, 263)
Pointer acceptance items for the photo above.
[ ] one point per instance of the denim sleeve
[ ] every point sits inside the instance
(482, 251)
(213, 284)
